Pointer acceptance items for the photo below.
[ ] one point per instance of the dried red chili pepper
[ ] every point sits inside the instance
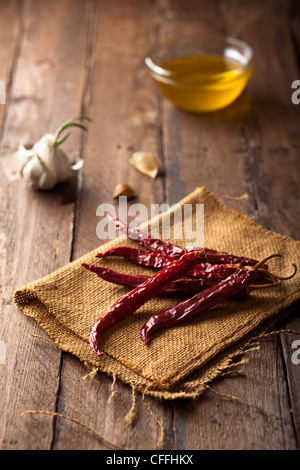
(179, 287)
(141, 257)
(144, 239)
(236, 283)
(220, 292)
(213, 272)
(134, 299)
(157, 245)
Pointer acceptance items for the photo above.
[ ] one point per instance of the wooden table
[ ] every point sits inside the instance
(63, 58)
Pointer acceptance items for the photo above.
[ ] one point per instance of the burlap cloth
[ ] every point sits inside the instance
(178, 362)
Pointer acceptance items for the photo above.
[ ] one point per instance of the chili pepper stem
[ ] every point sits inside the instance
(276, 278)
(264, 260)
(262, 286)
(285, 278)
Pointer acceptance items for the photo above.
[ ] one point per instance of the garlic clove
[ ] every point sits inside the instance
(123, 189)
(38, 175)
(24, 152)
(62, 165)
(24, 155)
(145, 162)
(44, 145)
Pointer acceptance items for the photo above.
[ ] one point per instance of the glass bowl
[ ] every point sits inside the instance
(201, 77)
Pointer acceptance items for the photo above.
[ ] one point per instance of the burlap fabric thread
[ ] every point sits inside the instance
(178, 362)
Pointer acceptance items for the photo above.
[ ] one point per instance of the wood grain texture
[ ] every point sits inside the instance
(125, 119)
(61, 59)
(37, 230)
(10, 34)
(190, 141)
(271, 137)
(125, 114)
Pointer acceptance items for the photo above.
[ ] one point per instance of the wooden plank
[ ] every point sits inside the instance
(256, 411)
(9, 37)
(110, 39)
(271, 135)
(248, 422)
(217, 146)
(36, 228)
(125, 119)
(210, 143)
(125, 115)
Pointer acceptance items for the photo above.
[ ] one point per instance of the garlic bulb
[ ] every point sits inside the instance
(46, 164)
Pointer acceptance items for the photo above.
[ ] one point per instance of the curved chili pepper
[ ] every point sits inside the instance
(229, 258)
(149, 259)
(179, 287)
(200, 302)
(144, 239)
(157, 245)
(213, 272)
(134, 299)
(238, 283)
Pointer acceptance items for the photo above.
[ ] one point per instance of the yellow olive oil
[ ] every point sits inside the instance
(202, 83)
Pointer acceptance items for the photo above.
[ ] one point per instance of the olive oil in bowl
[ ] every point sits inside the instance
(202, 82)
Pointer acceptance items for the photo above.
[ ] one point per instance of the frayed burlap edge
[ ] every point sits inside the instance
(190, 386)
(225, 363)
